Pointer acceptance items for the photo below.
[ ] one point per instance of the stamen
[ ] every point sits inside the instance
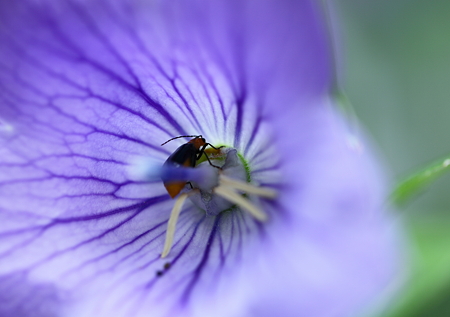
(214, 192)
(248, 188)
(229, 194)
(171, 225)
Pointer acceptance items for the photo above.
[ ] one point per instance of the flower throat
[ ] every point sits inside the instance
(216, 180)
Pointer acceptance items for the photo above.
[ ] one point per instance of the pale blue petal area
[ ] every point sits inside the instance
(149, 60)
(338, 237)
(247, 51)
(19, 297)
(128, 69)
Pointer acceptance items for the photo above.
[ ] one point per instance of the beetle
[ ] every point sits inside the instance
(186, 155)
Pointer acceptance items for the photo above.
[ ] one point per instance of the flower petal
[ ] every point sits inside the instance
(86, 86)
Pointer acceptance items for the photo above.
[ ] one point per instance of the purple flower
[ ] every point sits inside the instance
(88, 87)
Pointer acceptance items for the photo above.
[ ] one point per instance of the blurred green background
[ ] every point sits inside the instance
(396, 73)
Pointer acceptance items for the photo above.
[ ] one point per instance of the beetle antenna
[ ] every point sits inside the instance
(183, 136)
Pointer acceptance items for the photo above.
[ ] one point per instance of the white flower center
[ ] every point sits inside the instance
(231, 190)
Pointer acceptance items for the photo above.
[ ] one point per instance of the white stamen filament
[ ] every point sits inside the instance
(171, 225)
(229, 194)
(248, 188)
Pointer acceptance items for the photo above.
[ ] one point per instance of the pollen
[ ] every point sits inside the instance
(231, 191)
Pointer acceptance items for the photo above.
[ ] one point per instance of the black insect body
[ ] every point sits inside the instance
(186, 155)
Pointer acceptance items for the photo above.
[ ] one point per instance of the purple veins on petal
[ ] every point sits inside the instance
(89, 88)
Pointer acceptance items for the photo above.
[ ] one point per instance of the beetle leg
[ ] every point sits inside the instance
(202, 151)
(212, 163)
(215, 148)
